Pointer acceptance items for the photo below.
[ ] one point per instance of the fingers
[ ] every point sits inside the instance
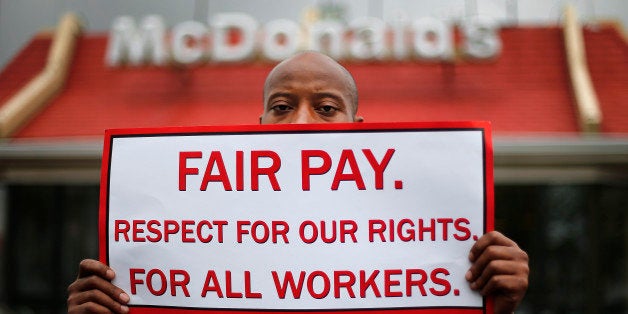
(491, 238)
(494, 256)
(507, 285)
(507, 292)
(93, 292)
(88, 308)
(95, 301)
(497, 260)
(500, 275)
(89, 267)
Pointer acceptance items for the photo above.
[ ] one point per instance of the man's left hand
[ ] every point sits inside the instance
(500, 270)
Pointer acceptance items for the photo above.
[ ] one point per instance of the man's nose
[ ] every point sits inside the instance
(304, 114)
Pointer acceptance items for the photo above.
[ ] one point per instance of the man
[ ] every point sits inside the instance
(313, 88)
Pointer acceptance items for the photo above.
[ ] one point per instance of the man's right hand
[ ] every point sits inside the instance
(93, 292)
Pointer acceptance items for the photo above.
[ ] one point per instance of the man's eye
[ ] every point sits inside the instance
(281, 107)
(327, 109)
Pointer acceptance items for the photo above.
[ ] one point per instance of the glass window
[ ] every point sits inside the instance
(51, 228)
(575, 236)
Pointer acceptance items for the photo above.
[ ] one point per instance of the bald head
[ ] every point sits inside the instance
(309, 87)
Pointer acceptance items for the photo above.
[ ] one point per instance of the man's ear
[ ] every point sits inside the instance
(358, 119)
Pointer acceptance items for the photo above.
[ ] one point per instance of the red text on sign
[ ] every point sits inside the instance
(407, 230)
(189, 231)
(261, 232)
(216, 172)
(328, 231)
(213, 285)
(347, 159)
(157, 283)
(387, 283)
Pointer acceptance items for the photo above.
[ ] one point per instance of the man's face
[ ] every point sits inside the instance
(308, 88)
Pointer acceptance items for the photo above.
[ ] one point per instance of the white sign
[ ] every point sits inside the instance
(230, 37)
(293, 217)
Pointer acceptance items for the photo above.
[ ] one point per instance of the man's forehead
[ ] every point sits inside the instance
(311, 89)
(304, 78)
(291, 75)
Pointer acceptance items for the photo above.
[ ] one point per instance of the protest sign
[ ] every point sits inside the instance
(283, 218)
